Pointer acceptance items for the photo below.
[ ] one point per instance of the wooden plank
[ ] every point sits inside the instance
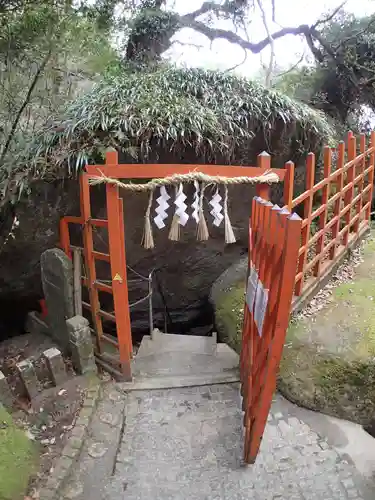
(334, 175)
(70, 219)
(289, 185)
(323, 216)
(107, 315)
(337, 206)
(89, 258)
(361, 167)
(349, 195)
(341, 232)
(263, 163)
(64, 237)
(307, 210)
(102, 287)
(101, 256)
(119, 274)
(99, 222)
(149, 171)
(77, 281)
(371, 173)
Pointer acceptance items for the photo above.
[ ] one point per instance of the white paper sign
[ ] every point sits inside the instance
(261, 301)
(252, 284)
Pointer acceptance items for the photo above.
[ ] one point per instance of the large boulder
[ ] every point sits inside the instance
(157, 115)
(328, 362)
(187, 268)
(329, 359)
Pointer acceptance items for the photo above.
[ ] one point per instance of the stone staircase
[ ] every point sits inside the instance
(168, 360)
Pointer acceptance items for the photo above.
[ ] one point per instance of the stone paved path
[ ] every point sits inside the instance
(187, 444)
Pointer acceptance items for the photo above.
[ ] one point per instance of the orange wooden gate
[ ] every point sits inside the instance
(119, 315)
(275, 237)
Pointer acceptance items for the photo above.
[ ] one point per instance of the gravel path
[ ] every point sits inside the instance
(187, 444)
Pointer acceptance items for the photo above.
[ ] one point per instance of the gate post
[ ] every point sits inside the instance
(118, 272)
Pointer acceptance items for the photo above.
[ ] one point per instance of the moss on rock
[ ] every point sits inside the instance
(229, 315)
(329, 360)
(17, 459)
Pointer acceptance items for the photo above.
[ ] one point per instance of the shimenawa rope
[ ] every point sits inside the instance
(267, 177)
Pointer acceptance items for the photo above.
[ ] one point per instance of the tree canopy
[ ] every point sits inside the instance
(53, 51)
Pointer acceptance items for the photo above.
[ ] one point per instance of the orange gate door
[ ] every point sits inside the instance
(119, 363)
(274, 236)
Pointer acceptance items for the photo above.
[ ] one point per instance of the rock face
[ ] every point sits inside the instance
(39, 214)
(187, 268)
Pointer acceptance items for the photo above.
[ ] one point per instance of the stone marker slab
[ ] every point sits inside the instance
(57, 281)
(35, 324)
(81, 345)
(28, 378)
(6, 395)
(56, 366)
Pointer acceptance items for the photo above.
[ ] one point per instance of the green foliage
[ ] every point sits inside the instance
(341, 83)
(166, 108)
(18, 459)
(299, 83)
(49, 51)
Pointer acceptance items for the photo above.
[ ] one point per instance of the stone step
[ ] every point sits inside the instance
(172, 360)
(169, 342)
(140, 383)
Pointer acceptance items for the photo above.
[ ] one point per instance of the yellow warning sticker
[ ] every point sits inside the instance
(117, 278)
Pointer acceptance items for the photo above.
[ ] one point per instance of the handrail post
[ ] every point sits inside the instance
(307, 210)
(150, 312)
(289, 185)
(349, 195)
(263, 162)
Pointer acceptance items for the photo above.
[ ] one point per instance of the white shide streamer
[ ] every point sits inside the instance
(162, 208)
(217, 208)
(181, 206)
(195, 204)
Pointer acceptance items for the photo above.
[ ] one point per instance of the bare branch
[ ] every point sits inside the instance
(292, 68)
(239, 64)
(315, 51)
(188, 44)
(204, 9)
(273, 11)
(230, 36)
(271, 42)
(330, 16)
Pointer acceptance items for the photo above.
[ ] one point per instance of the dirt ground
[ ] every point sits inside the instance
(52, 413)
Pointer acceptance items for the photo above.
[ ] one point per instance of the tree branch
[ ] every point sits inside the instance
(292, 68)
(213, 33)
(272, 45)
(237, 65)
(315, 51)
(204, 9)
(24, 104)
(330, 16)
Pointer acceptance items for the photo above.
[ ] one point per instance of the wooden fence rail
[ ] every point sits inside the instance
(336, 210)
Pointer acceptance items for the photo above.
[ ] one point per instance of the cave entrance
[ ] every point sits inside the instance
(117, 311)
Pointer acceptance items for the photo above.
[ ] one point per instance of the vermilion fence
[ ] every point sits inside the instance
(336, 210)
